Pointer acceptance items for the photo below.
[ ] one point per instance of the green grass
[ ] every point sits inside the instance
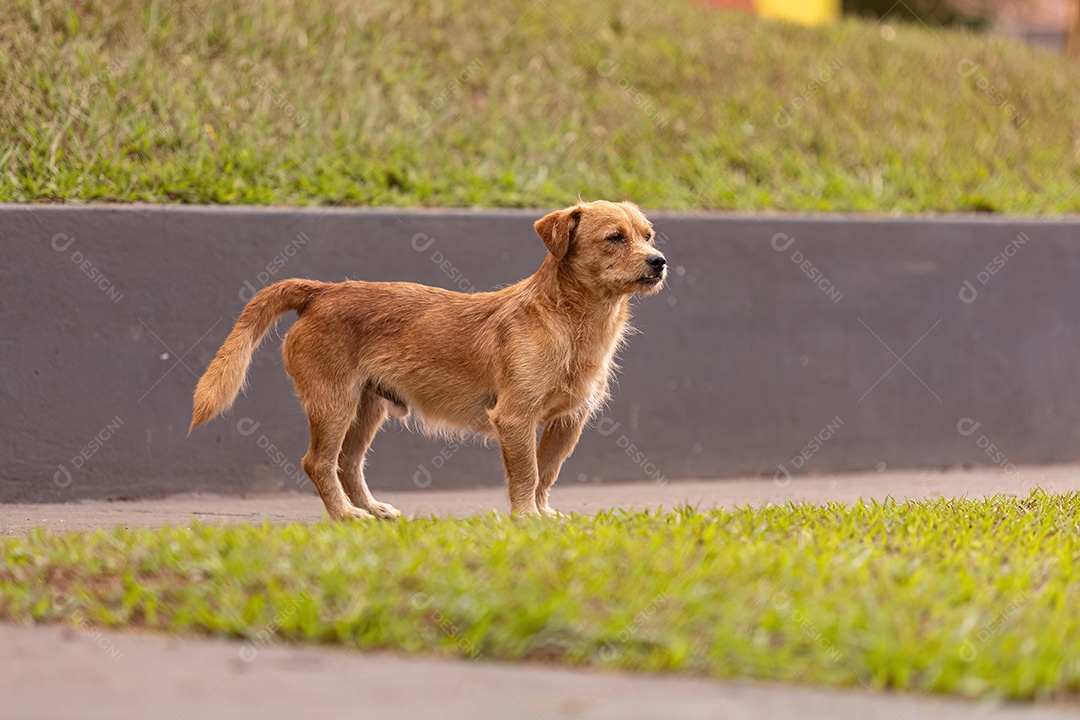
(515, 103)
(980, 598)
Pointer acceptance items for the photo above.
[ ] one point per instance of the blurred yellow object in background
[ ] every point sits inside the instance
(807, 12)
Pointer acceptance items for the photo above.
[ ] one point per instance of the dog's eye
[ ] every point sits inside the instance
(649, 236)
(616, 238)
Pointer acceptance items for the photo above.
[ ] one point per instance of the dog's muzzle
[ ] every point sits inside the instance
(657, 270)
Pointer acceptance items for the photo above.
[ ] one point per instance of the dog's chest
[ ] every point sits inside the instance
(582, 385)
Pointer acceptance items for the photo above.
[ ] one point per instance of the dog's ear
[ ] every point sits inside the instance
(556, 230)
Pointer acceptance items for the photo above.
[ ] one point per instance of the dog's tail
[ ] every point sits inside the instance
(223, 379)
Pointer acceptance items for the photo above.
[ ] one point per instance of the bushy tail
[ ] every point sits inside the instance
(221, 382)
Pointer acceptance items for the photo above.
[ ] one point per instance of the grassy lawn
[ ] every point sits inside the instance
(516, 103)
(979, 598)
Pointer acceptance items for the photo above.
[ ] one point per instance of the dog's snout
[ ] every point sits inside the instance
(656, 261)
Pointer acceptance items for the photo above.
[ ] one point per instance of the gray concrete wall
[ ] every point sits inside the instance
(784, 345)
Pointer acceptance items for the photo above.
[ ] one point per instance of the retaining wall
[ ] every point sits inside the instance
(783, 346)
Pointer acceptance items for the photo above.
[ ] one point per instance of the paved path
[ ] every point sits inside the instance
(55, 673)
(568, 496)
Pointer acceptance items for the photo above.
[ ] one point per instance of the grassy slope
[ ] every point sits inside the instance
(972, 597)
(520, 103)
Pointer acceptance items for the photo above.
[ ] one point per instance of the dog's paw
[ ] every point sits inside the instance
(548, 511)
(351, 512)
(386, 511)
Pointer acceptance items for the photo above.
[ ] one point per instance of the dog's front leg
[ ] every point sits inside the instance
(558, 441)
(517, 441)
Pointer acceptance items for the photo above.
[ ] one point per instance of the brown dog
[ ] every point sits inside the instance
(502, 364)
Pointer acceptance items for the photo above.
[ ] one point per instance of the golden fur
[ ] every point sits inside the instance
(496, 364)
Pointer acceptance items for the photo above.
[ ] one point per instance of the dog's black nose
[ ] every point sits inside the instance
(657, 261)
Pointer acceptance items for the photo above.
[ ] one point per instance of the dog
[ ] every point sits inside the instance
(504, 364)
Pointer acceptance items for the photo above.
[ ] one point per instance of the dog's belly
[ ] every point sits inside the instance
(439, 412)
(442, 423)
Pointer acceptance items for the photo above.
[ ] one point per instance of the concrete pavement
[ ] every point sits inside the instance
(568, 496)
(85, 674)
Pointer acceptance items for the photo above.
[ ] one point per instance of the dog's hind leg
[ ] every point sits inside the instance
(558, 441)
(370, 414)
(330, 415)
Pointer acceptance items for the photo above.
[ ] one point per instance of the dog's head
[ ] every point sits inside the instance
(610, 246)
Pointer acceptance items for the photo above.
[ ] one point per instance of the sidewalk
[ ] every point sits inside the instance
(66, 673)
(568, 496)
